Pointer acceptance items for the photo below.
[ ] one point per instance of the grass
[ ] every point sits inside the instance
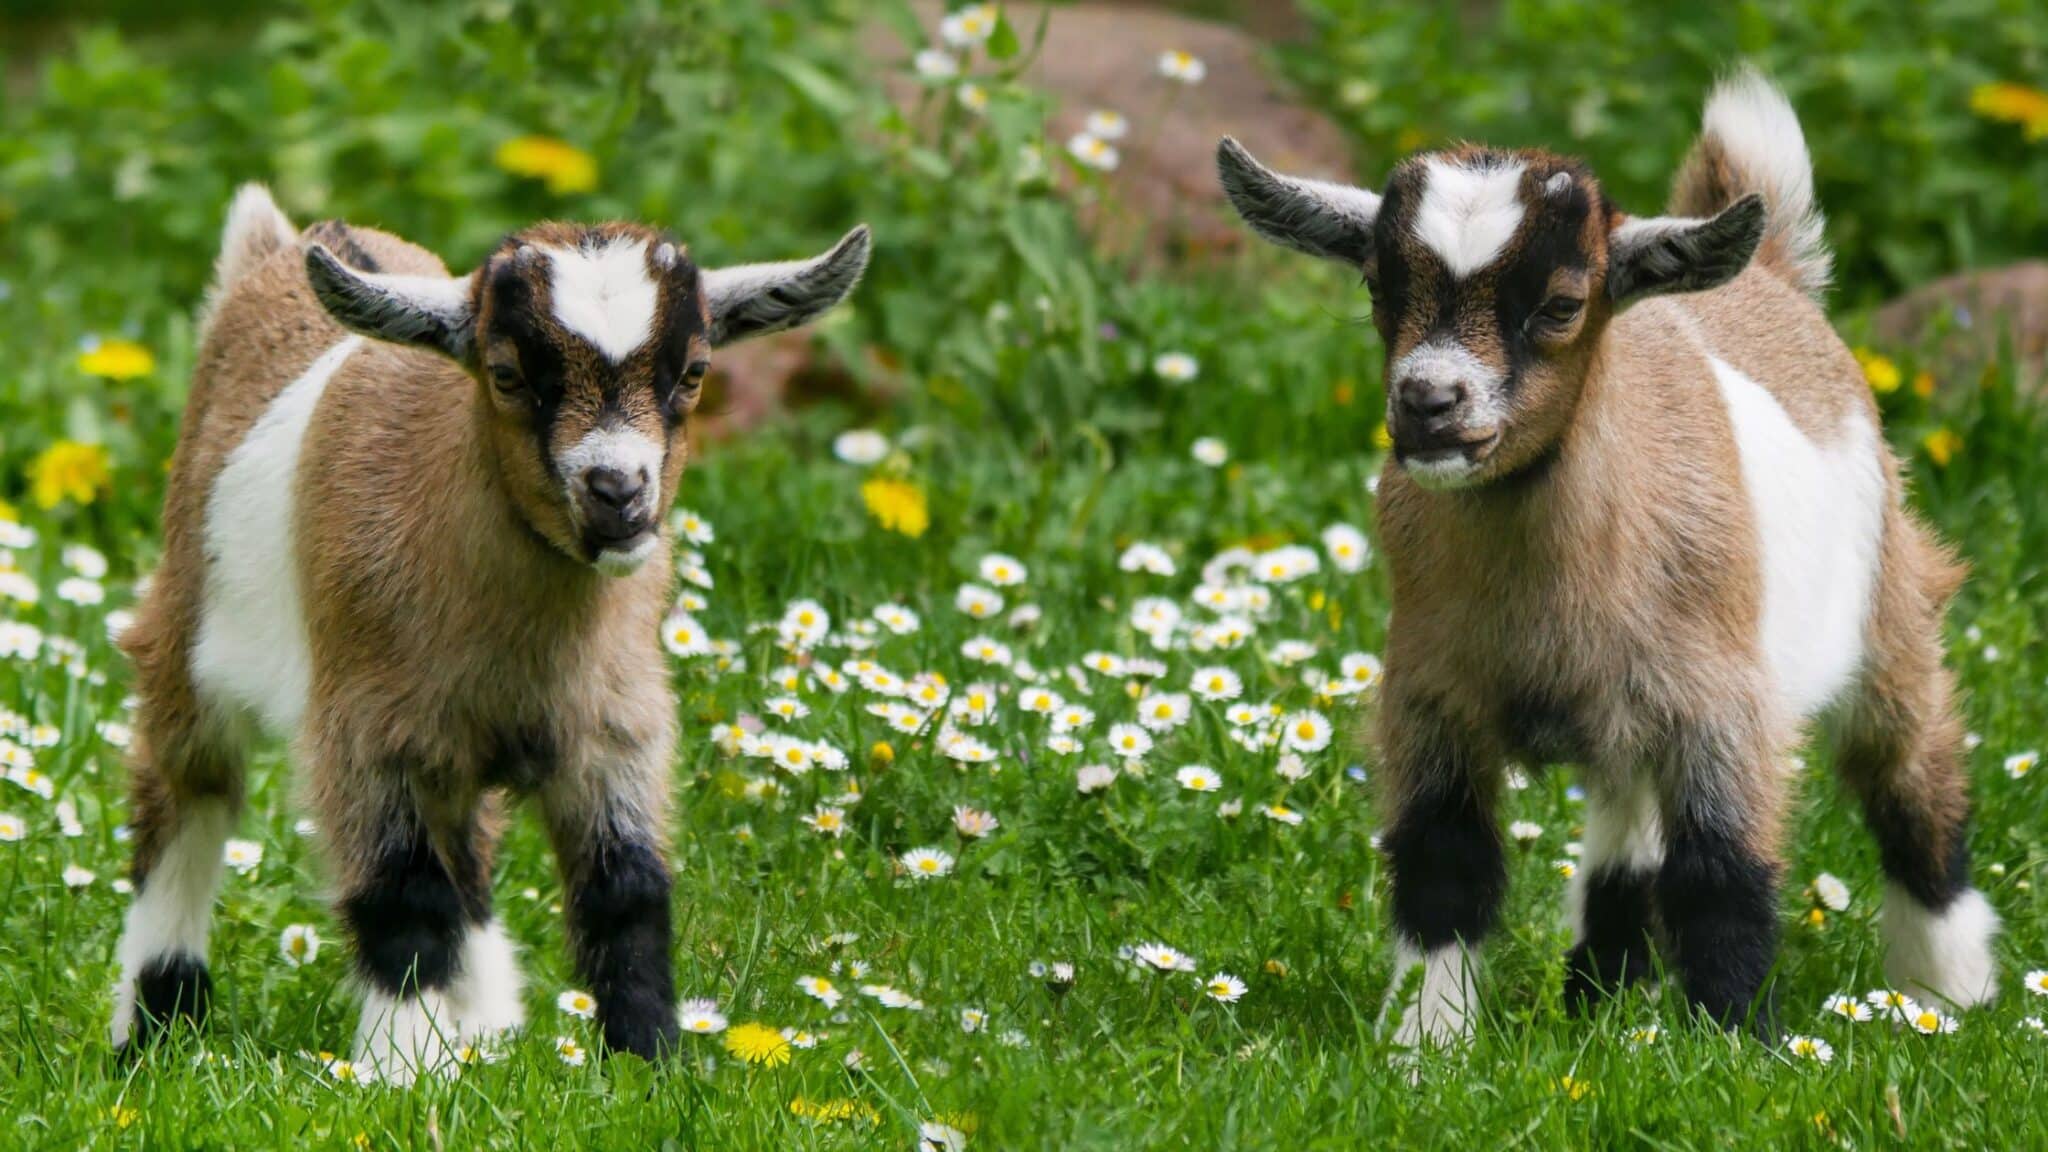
(1029, 417)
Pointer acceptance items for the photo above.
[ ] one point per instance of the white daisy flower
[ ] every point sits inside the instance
(1143, 557)
(692, 527)
(1072, 718)
(826, 821)
(1216, 683)
(977, 602)
(1811, 1048)
(1362, 669)
(1199, 778)
(1164, 712)
(969, 26)
(1848, 1008)
(787, 708)
(972, 822)
(85, 560)
(1930, 1021)
(1291, 768)
(76, 877)
(934, 64)
(579, 1004)
(1106, 125)
(1524, 831)
(1178, 65)
(986, 651)
(2020, 763)
(78, 590)
(1043, 701)
(1129, 741)
(1155, 616)
(1176, 367)
(1090, 778)
(242, 855)
(820, 989)
(1893, 1005)
(804, 623)
(897, 619)
(1281, 814)
(1003, 571)
(1093, 152)
(926, 863)
(1224, 988)
(1348, 548)
(12, 827)
(570, 1051)
(1162, 958)
(1831, 892)
(299, 944)
(864, 447)
(1306, 731)
(2036, 982)
(1210, 452)
(700, 1017)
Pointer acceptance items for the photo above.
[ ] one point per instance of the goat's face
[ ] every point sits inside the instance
(589, 348)
(1492, 275)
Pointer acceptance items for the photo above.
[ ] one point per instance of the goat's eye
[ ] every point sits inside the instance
(1560, 310)
(505, 377)
(693, 376)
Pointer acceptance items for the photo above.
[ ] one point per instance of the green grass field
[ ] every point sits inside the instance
(1038, 429)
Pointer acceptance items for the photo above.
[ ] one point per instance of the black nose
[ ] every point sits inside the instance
(1427, 399)
(613, 488)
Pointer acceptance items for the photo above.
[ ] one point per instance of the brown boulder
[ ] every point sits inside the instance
(1963, 321)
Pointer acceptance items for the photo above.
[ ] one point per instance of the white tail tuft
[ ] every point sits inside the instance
(1752, 127)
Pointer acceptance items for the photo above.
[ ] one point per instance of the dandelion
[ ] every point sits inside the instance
(76, 877)
(1879, 371)
(1106, 125)
(569, 1051)
(68, 470)
(820, 989)
(1224, 988)
(581, 1005)
(2036, 982)
(1093, 152)
(1831, 892)
(926, 863)
(1811, 1048)
(1129, 741)
(116, 360)
(936, 64)
(1306, 732)
(754, 1043)
(1178, 65)
(1943, 445)
(897, 505)
(242, 855)
(1199, 778)
(2020, 763)
(969, 26)
(1089, 778)
(973, 823)
(1175, 367)
(564, 168)
(299, 944)
(2011, 103)
(1162, 958)
(700, 1017)
(1928, 1022)
(1848, 1008)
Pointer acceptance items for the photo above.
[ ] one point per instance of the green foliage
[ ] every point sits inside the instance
(1913, 184)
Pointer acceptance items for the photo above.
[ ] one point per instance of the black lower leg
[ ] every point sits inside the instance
(1718, 899)
(619, 920)
(171, 988)
(1930, 863)
(1448, 872)
(1614, 948)
(411, 912)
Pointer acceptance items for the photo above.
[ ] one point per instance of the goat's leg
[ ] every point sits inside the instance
(1613, 893)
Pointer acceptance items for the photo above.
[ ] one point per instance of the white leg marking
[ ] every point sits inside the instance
(487, 994)
(1468, 215)
(1441, 1011)
(605, 295)
(1624, 832)
(1941, 957)
(399, 1038)
(252, 638)
(172, 911)
(1819, 512)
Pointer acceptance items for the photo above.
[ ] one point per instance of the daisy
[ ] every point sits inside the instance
(986, 651)
(1224, 988)
(1216, 683)
(1361, 668)
(968, 750)
(1176, 367)
(2036, 982)
(827, 821)
(1286, 564)
(692, 527)
(1106, 125)
(2021, 763)
(1811, 1048)
(977, 602)
(820, 989)
(85, 560)
(1178, 65)
(1155, 616)
(1306, 731)
(1103, 663)
(1129, 741)
(1893, 1005)
(1348, 548)
(972, 822)
(1288, 653)
(1161, 958)
(1281, 813)
(581, 1005)
(683, 636)
(76, 877)
(787, 708)
(1831, 892)
(701, 1017)
(969, 26)
(933, 1136)
(299, 944)
(1524, 831)
(1645, 1036)
(78, 590)
(1003, 571)
(1143, 557)
(1164, 712)
(1210, 452)
(897, 619)
(804, 624)
(1093, 152)
(1090, 778)
(932, 64)
(865, 446)
(242, 855)
(1199, 778)
(2036, 1025)
(1291, 768)
(570, 1051)
(1243, 715)
(1848, 1008)
(1928, 1021)
(1043, 701)
(926, 863)
(973, 1019)
(1072, 718)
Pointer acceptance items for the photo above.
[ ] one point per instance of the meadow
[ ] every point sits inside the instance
(1025, 798)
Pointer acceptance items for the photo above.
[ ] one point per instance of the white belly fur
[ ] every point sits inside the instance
(1819, 510)
(252, 649)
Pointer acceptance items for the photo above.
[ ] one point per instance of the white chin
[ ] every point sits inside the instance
(1442, 474)
(625, 561)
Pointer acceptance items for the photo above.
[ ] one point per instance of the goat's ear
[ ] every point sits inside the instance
(431, 312)
(1657, 255)
(1333, 221)
(751, 300)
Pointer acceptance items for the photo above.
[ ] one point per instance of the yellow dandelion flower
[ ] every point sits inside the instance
(835, 1111)
(1574, 1088)
(1923, 384)
(897, 505)
(757, 1044)
(2013, 104)
(1381, 438)
(117, 360)
(563, 167)
(882, 753)
(1410, 140)
(1943, 445)
(68, 470)
(1880, 371)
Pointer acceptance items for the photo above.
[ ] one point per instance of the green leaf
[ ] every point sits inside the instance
(1003, 43)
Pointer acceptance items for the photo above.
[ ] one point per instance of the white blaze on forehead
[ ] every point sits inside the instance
(604, 295)
(1468, 215)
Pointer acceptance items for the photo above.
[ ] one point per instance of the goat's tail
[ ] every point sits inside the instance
(1750, 142)
(256, 229)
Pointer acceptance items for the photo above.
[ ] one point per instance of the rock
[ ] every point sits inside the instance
(752, 383)
(1101, 55)
(1963, 320)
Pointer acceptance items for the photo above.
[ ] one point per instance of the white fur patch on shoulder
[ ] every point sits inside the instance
(1819, 511)
(1441, 1011)
(604, 295)
(488, 990)
(1468, 215)
(401, 1037)
(1941, 957)
(252, 648)
(171, 913)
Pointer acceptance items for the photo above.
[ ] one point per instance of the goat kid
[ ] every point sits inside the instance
(415, 522)
(1639, 518)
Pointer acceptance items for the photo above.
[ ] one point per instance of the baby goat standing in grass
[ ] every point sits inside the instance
(414, 521)
(1639, 518)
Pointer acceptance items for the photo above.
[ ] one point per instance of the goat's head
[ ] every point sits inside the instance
(589, 348)
(1493, 275)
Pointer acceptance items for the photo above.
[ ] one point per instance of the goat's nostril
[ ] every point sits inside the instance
(1429, 398)
(612, 487)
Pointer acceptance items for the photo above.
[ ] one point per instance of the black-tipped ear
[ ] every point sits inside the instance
(751, 300)
(1659, 255)
(1333, 221)
(431, 312)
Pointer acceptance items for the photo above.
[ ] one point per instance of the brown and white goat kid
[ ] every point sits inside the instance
(1639, 518)
(415, 522)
